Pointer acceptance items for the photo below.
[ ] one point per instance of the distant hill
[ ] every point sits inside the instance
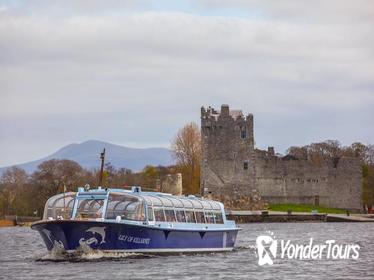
(87, 154)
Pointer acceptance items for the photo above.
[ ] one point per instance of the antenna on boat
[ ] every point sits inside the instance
(102, 157)
(64, 213)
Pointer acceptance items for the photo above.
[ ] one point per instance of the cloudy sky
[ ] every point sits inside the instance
(134, 72)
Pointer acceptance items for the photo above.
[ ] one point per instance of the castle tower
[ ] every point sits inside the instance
(228, 167)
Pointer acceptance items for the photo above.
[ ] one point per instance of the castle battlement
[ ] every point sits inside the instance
(227, 126)
(211, 115)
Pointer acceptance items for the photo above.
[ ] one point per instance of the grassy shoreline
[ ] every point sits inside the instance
(304, 208)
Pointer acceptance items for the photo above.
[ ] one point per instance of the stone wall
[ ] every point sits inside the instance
(289, 180)
(243, 177)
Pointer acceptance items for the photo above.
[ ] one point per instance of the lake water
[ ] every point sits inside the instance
(23, 256)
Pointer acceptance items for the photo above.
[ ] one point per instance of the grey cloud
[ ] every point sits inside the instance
(138, 77)
(332, 11)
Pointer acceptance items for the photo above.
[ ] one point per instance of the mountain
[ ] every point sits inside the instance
(87, 154)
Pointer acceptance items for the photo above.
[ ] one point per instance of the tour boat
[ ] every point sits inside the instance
(118, 220)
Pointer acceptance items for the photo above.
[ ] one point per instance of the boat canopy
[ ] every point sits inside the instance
(116, 204)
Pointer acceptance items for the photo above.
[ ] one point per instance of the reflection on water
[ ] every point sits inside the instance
(23, 256)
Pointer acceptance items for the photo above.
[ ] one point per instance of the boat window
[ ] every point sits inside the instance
(125, 206)
(150, 214)
(181, 217)
(134, 211)
(190, 217)
(218, 217)
(90, 208)
(209, 217)
(60, 205)
(159, 215)
(170, 215)
(199, 217)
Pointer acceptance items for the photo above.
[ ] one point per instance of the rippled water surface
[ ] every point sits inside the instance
(23, 256)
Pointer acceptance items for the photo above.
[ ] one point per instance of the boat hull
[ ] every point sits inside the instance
(105, 236)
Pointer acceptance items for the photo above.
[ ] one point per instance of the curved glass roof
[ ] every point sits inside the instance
(187, 203)
(58, 200)
(167, 200)
(153, 200)
(180, 202)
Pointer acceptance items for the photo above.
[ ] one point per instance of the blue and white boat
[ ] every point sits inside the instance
(117, 220)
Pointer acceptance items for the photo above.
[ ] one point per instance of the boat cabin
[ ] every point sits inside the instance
(135, 205)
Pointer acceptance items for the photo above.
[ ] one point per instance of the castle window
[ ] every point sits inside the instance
(243, 133)
(245, 165)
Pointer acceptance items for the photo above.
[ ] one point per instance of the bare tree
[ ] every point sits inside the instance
(370, 154)
(51, 178)
(186, 147)
(357, 150)
(326, 149)
(298, 152)
(12, 183)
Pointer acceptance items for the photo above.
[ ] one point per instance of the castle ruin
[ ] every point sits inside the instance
(243, 177)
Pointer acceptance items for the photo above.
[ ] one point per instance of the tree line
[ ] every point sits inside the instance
(25, 194)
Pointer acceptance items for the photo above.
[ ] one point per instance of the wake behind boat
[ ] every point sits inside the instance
(117, 220)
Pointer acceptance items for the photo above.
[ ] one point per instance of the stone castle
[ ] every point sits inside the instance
(243, 177)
